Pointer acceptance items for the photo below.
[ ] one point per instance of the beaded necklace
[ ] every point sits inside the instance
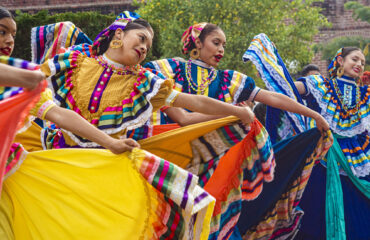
(126, 70)
(204, 83)
(341, 97)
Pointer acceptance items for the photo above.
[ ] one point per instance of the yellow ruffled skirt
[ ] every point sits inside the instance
(94, 194)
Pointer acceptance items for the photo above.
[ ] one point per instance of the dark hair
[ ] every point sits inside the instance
(208, 29)
(136, 24)
(348, 50)
(310, 67)
(345, 52)
(260, 112)
(4, 13)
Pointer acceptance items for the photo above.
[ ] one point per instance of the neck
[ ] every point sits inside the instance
(200, 63)
(111, 60)
(347, 79)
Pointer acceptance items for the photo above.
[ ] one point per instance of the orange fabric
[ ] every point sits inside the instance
(229, 168)
(13, 112)
(158, 129)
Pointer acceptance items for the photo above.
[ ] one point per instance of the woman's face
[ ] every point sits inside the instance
(8, 28)
(136, 44)
(353, 64)
(212, 48)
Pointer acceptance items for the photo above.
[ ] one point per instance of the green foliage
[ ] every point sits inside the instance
(90, 23)
(330, 48)
(359, 11)
(291, 25)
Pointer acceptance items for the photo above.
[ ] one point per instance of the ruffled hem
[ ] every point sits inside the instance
(285, 214)
(226, 183)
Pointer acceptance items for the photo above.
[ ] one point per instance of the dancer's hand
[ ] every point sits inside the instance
(118, 146)
(321, 123)
(33, 78)
(246, 115)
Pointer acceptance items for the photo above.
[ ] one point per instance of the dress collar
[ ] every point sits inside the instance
(111, 62)
(347, 79)
(200, 63)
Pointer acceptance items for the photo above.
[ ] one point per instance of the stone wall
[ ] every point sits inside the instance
(58, 6)
(343, 25)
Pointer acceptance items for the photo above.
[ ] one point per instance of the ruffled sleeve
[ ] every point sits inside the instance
(346, 123)
(43, 105)
(60, 69)
(242, 87)
(162, 90)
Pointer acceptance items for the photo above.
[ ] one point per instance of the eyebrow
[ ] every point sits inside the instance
(2, 25)
(6, 27)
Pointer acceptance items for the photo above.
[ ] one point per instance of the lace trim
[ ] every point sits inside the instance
(274, 75)
(361, 171)
(27, 124)
(17, 165)
(365, 122)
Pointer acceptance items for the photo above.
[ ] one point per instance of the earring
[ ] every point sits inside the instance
(194, 54)
(116, 44)
(340, 71)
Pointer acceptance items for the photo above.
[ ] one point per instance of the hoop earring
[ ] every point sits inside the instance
(194, 54)
(116, 44)
(340, 71)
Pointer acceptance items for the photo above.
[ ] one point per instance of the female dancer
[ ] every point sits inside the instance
(45, 109)
(205, 43)
(96, 191)
(345, 105)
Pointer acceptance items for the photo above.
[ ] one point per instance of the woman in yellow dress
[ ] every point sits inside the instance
(92, 193)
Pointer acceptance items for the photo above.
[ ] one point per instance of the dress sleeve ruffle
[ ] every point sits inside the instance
(242, 87)
(43, 105)
(61, 68)
(345, 123)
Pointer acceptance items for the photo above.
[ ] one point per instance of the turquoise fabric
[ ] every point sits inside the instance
(334, 209)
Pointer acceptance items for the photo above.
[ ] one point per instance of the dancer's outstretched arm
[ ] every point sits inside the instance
(184, 118)
(206, 105)
(73, 122)
(13, 76)
(283, 102)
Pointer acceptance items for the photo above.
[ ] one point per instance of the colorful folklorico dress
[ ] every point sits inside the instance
(341, 207)
(92, 193)
(345, 201)
(197, 148)
(234, 87)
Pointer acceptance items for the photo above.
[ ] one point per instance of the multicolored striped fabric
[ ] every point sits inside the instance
(272, 70)
(334, 65)
(46, 41)
(179, 213)
(121, 22)
(190, 35)
(246, 162)
(283, 219)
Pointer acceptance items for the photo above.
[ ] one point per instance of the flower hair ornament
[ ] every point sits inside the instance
(121, 22)
(190, 35)
(334, 68)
